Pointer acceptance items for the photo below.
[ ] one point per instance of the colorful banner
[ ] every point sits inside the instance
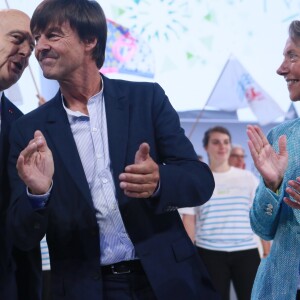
(126, 53)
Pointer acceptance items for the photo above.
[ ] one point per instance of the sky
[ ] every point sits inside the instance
(184, 44)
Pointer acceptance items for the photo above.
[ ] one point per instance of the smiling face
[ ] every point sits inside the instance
(16, 46)
(290, 68)
(60, 52)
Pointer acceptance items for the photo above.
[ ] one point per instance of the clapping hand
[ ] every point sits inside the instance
(293, 190)
(35, 165)
(271, 165)
(140, 179)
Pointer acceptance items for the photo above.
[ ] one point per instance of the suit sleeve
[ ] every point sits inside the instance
(27, 225)
(185, 181)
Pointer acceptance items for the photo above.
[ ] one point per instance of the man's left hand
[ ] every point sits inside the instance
(140, 180)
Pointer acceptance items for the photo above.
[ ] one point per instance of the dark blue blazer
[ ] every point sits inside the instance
(20, 271)
(136, 113)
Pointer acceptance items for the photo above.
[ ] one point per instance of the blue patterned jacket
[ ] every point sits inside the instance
(271, 219)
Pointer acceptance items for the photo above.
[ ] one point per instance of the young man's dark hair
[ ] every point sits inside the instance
(209, 131)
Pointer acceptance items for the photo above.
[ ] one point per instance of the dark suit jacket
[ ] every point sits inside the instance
(19, 270)
(136, 113)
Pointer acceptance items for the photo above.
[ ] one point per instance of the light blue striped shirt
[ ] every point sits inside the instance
(90, 134)
(45, 255)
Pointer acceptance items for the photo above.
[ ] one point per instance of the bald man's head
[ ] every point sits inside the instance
(237, 157)
(16, 45)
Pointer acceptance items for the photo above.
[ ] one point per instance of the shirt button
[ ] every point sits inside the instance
(104, 180)
(94, 129)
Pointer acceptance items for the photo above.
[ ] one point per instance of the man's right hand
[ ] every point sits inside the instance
(270, 165)
(35, 165)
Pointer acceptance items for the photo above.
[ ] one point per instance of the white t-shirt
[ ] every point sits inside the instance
(223, 223)
(186, 211)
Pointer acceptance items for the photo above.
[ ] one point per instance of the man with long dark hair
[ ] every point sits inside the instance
(122, 168)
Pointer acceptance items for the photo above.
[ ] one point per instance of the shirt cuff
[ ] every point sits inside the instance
(39, 201)
(157, 191)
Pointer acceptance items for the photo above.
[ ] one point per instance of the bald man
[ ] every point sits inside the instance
(19, 271)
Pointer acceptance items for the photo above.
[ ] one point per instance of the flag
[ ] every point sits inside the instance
(13, 93)
(236, 89)
(127, 53)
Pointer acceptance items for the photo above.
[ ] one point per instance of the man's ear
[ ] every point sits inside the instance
(91, 43)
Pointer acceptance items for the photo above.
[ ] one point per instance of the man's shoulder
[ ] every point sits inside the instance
(127, 84)
(135, 92)
(39, 114)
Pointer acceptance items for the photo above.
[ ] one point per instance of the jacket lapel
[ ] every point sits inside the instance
(59, 131)
(9, 113)
(2, 140)
(2, 145)
(117, 115)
